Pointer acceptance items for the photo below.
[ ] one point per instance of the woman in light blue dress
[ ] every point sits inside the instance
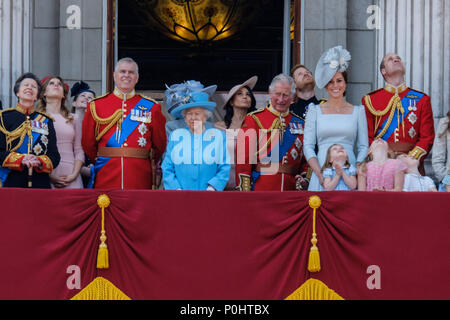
(196, 157)
(334, 121)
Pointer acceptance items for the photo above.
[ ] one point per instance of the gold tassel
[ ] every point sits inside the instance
(314, 256)
(103, 255)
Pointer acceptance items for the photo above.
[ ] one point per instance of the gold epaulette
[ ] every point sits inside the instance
(257, 111)
(373, 92)
(148, 98)
(419, 92)
(97, 98)
(6, 110)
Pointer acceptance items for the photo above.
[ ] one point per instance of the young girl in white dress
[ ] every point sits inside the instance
(414, 181)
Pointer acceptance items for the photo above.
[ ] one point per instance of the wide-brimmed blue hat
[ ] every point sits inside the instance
(334, 60)
(190, 94)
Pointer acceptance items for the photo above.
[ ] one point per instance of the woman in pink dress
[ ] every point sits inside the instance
(380, 172)
(68, 134)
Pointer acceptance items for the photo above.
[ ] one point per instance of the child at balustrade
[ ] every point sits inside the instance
(414, 181)
(380, 172)
(337, 171)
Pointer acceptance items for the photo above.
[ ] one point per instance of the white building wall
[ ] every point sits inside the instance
(15, 24)
(418, 30)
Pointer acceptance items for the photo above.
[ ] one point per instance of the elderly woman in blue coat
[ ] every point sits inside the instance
(196, 157)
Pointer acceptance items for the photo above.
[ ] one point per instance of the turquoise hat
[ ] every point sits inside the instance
(190, 94)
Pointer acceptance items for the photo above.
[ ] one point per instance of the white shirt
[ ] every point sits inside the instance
(417, 183)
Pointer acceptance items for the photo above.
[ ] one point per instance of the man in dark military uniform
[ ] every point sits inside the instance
(28, 151)
(273, 159)
(400, 115)
(305, 95)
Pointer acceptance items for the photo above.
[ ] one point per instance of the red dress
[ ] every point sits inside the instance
(103, 123)
(254, 145)
(412, 131)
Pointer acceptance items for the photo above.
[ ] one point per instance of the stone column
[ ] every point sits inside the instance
(15, 24)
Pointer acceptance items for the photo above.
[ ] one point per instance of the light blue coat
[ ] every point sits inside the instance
(196, 161)
(324, 130)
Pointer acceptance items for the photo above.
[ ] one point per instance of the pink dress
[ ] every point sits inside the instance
(383, 176)
(68, 137)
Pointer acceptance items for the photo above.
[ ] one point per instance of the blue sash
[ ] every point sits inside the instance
(288, 140)
(410, 96)
(128, 126)
(23, 149)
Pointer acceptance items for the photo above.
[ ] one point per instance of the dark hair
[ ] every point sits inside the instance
(42, 104)
(230, 111)
(345, 76)
(24, 76)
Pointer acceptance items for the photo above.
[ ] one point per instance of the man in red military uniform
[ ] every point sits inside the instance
(122, 133)
(400, 115)
(269, 152)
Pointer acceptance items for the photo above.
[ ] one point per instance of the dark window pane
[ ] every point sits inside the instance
(254, 50)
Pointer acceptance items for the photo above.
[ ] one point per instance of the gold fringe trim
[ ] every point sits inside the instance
(314, 290)
(394, 104)
(101, 289)
(116, 118)
(19, 133)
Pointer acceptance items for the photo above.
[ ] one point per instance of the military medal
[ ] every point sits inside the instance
(412, 133)
(39, 127)
(38, 149)
(294, 154)
(141, 115)
(412, 118)
(298, 143)
(412, 105)
(142, 142)
(296, 128)
(142, 130)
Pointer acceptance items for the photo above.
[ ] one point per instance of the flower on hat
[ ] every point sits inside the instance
(338, 58)
(334, 60)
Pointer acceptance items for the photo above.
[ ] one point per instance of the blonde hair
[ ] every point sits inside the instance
(363, 165)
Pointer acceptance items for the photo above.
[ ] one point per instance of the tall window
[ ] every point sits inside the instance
(256, 48)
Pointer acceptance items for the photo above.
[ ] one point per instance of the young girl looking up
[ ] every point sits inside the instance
(414, 181)
(337, 172)
(379, 172)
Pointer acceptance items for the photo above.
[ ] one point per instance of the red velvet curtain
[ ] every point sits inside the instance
(227, 246)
